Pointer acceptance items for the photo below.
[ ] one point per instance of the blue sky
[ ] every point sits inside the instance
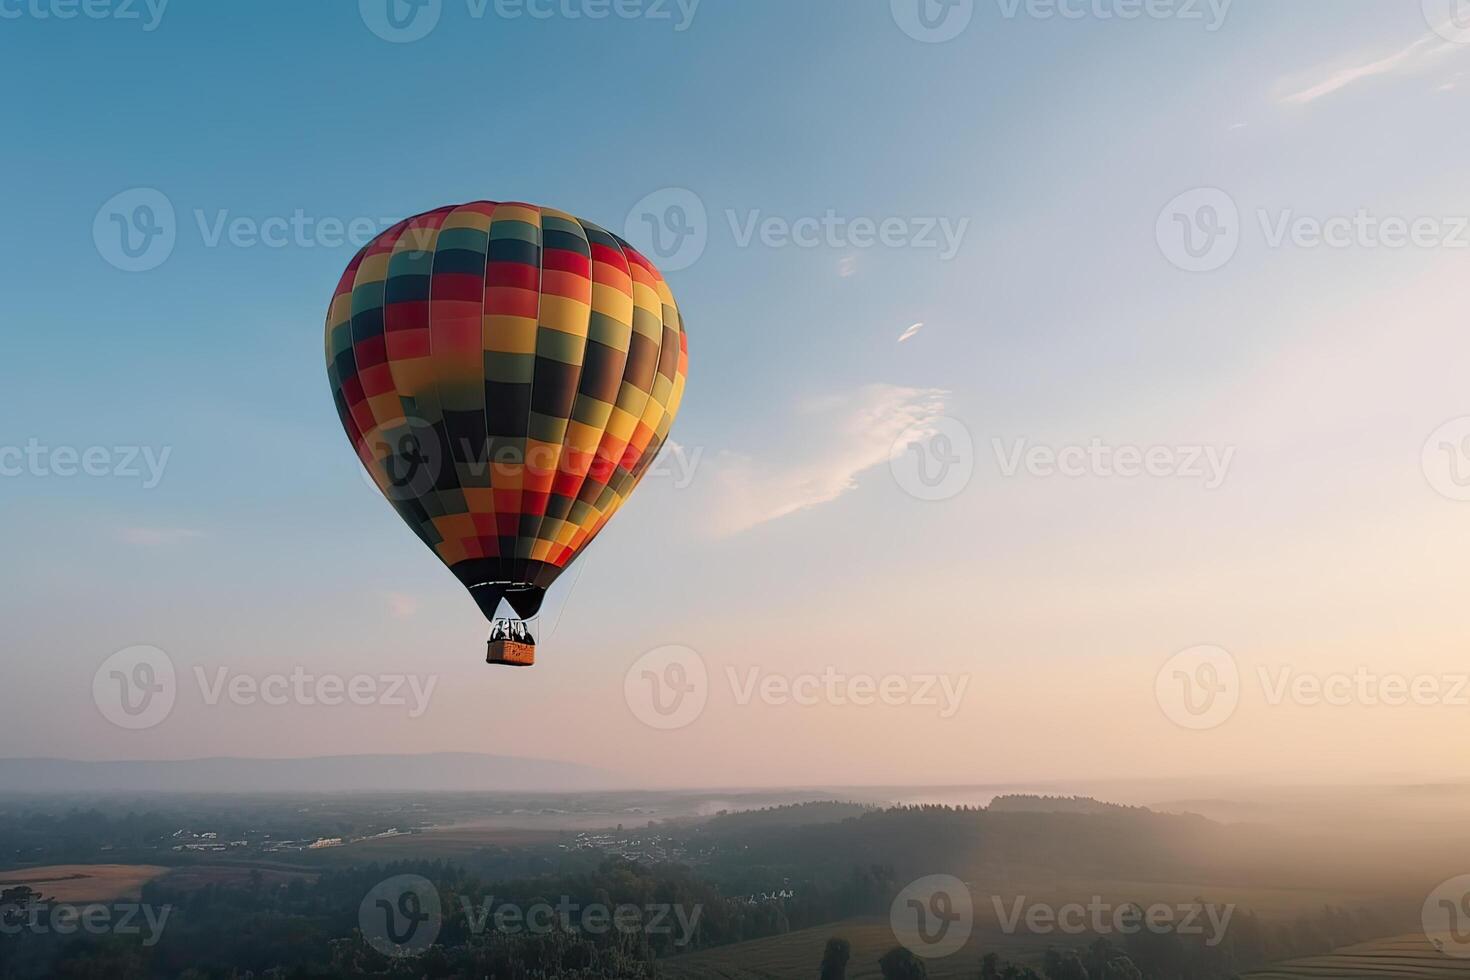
(1055, 143)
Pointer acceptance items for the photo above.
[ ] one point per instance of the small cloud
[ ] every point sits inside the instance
(1237, 127)
(911, 333)
(402, 606)
(842, 436)
(847, 268)
(158, 537)
(1415, 57)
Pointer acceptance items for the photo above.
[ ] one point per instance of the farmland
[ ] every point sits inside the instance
(1399, 958)
(84, 882)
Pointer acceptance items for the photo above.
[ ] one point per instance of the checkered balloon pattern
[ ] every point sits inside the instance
(507, 375)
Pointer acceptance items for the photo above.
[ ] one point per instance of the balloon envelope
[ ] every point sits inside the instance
(507, 374)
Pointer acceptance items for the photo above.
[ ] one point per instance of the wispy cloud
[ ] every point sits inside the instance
(842, 436)
(157, 537)
(402, 606)
(911, 333)
(1421, 54)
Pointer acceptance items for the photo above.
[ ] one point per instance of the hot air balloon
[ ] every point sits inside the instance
(507, 375)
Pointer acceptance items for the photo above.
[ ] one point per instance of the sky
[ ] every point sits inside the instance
(1077, 390)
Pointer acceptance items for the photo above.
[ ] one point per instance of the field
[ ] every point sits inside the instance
(449, 844)
(1400, 958)
(84, 882)
(194, 876)
(798, 954)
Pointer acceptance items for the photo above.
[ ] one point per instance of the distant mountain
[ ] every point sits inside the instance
(446, 772)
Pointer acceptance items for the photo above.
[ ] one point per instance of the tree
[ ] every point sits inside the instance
(901, 964)
(990, 966)
(1121, 968)
(1065, 965)
(834, 959)
(1013, 972)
